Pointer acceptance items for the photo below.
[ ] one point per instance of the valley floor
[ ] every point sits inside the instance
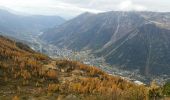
(87, 58)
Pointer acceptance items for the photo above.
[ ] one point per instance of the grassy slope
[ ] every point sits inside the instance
(28, 74)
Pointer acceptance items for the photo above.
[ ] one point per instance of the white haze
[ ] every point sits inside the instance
(70, 8)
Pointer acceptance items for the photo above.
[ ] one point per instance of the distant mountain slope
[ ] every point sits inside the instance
(129, 40)
(16, 24)
(93, 31)
(25, 73)
(146, 49)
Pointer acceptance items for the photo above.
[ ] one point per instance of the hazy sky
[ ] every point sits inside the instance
(74, 7)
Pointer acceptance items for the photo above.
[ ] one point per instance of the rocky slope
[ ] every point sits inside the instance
(145, 49)
(91, 31)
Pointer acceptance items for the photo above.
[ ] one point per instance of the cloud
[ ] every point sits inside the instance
(75, 7)
(67, 6)
(128, 5)
(47, 7)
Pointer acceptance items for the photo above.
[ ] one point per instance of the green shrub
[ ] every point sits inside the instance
(166, 89)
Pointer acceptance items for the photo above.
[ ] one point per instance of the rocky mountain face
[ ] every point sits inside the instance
(145, 49)
(128, 40)
(93, 31)
(12, 24)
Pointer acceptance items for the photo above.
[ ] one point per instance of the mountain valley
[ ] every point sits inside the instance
(133, 41)
(114, 55)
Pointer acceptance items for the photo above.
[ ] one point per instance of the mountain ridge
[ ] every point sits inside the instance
(13, 24)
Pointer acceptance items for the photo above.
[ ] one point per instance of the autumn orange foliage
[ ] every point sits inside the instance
(52, 74)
